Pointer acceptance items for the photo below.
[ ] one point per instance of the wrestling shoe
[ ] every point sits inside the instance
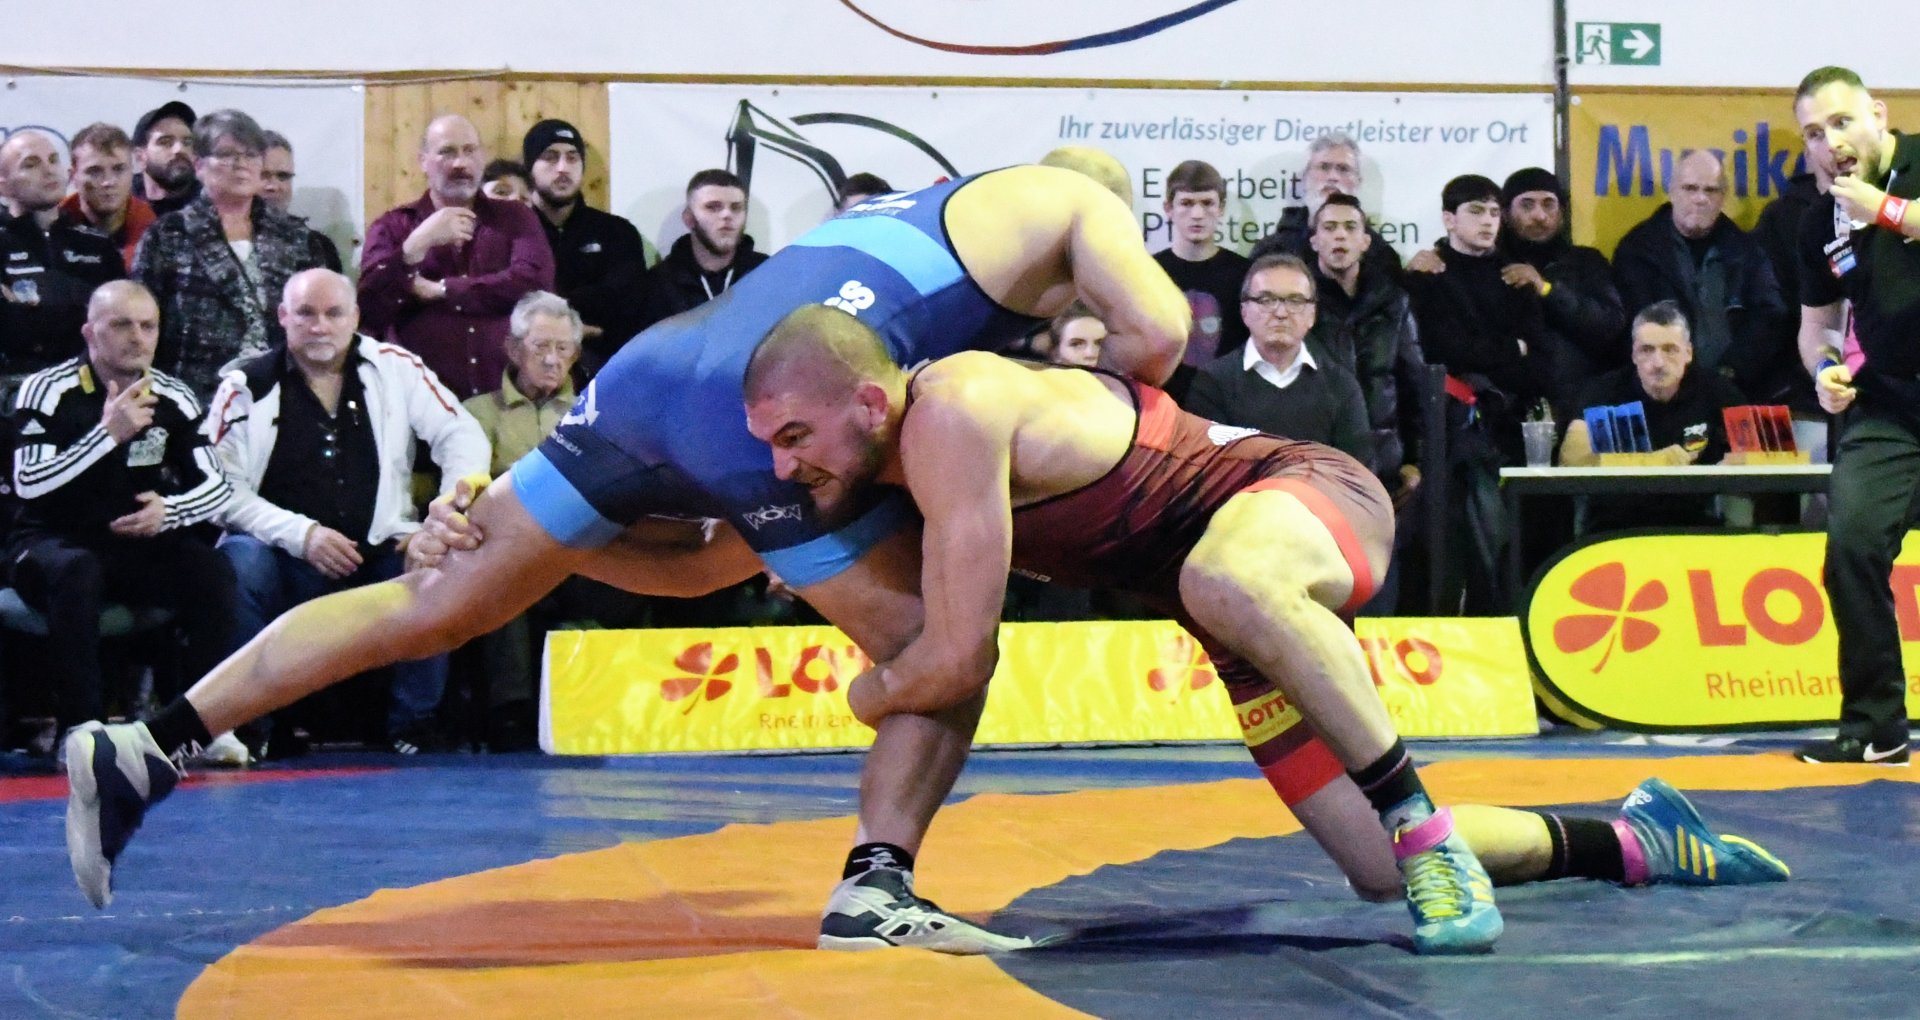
(226, 751)
(877, 909)
(1448, 892)
(114, 773)
(1663, 839)
(1852, 750)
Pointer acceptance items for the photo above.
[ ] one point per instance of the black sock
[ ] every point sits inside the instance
(177, 725)
(1583, 848)
(1390, 781)
(868, 856)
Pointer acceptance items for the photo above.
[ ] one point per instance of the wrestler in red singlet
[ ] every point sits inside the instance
(1132, 530)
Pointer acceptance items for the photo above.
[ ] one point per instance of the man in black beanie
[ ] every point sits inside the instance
(1585, 320)
(599, 262)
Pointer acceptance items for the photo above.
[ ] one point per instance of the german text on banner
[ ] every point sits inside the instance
(1701, 631)
(784, 688)
(794, 144)
(1623, 147)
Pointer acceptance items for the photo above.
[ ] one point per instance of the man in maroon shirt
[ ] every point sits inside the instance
(440, 275)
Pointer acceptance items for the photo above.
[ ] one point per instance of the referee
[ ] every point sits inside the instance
(1856, 244)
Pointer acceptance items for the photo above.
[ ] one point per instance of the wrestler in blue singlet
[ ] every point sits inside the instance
(662, 429)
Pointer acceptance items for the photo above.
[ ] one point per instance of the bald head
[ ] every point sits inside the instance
(451, 156)
(318, 282)
(818, 350)
(318, 311)
(31, 173)
(825, 396)
(448, 127)
(1699, 193)
(121, 331)
(1098, 164)
(115, 295)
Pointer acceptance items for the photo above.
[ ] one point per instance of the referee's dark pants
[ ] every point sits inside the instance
(1874, 498)
(70, 580)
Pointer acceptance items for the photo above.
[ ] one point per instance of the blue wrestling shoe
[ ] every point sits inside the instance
(1664, 840)
(1448, 891)
(114, 773)
(878, 909)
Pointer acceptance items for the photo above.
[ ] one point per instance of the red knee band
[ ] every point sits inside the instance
(1303, 772)
(1297, 765)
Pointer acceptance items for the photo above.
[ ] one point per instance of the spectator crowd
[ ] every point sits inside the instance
(210, 420)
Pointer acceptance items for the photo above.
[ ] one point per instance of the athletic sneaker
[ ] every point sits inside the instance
(114, 773)
(878, 908)
(226, 751)
(1852, 750)
(1448, 892)
(1664, 840)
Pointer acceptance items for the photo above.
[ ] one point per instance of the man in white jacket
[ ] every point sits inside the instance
(318, 442)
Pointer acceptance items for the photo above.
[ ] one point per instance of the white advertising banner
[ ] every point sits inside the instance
(324, 121)
(794, 144)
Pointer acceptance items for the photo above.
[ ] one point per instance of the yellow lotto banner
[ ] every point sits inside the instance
(1700, 631)
(1623, 146)
(784, 688)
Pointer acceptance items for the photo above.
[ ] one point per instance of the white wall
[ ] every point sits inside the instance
(1765, 44)
(1502, 41)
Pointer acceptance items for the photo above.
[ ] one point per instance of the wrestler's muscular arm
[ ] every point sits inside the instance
(956, 449)
(1035, 237)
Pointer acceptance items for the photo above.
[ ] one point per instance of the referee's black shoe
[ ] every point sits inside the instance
(1853, 750)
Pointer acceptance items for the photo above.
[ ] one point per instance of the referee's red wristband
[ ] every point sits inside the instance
(1893, 212)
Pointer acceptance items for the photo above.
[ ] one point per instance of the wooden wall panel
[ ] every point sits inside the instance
(502, 111)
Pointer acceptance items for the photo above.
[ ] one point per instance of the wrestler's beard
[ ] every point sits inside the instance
(839, 489)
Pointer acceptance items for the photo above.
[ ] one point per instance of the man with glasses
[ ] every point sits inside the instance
(1275, 384)
(1333, 167)
(440, 274)
(218, 265)
(544, 340)
(276, 189)
(318, 441)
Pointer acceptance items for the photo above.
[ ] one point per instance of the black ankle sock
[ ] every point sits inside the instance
(868, 856)
(177, 725)
(1390, 780)
(1583, 848)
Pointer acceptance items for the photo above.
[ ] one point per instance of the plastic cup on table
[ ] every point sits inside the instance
(1539, 439)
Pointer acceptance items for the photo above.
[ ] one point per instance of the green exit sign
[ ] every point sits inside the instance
(1616, 42)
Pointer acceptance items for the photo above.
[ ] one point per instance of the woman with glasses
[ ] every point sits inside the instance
(218, 265)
